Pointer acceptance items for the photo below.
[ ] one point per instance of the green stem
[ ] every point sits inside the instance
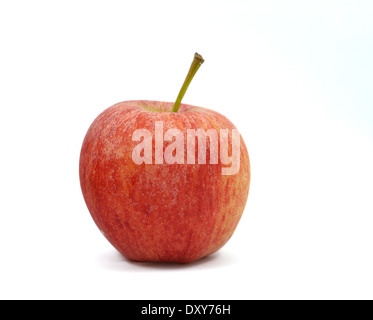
(198, 60)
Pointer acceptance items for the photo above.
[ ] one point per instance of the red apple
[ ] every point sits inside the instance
(159, 210)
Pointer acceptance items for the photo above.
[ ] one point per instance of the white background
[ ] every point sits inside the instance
(295, 77)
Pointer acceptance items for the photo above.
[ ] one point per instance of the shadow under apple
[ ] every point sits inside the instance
(113, 260)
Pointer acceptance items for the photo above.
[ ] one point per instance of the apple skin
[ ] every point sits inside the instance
(159, 212)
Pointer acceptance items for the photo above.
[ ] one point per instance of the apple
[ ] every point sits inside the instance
(164, 181)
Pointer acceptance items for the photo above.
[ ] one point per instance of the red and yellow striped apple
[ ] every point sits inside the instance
(171, 205)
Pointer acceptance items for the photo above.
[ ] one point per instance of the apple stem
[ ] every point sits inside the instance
(197, 61)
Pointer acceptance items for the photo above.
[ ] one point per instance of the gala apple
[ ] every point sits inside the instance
(164, 181)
